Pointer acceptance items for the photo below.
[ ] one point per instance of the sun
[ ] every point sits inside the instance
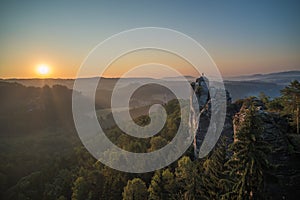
(43, 70)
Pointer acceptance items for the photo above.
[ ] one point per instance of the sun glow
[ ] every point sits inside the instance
(43, 70)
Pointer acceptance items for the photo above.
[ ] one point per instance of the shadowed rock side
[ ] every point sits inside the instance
(283, 177)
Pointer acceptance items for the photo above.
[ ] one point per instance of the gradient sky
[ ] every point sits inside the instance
(241, 36)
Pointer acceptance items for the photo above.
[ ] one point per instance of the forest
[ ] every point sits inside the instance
(43, 158)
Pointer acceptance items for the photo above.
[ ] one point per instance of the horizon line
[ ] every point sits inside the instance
(111, 77)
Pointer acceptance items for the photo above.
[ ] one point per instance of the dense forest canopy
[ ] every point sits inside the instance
(43, 158)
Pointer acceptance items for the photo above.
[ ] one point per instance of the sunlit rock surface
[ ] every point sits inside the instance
(201, 112)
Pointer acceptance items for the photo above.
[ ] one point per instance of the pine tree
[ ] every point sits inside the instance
(162, 185)
(157, 142)
(188, 179)
(114, 182)
(80, 189)
(291, 94)
(156, 186)
(214, 172)
(247, 164)
(135, 189)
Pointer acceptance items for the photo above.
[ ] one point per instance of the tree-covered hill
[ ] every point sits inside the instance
(43, 158)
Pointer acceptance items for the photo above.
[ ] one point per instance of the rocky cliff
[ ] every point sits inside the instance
(283, 178)
(201, 112)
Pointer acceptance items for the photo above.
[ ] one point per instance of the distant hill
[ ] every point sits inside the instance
(282, 78)
(243, 89)
(252, 85)
(180, 78)
(238, 86)
(32, 108)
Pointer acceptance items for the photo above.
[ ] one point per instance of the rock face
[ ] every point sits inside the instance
(201, 112)
(282, 180)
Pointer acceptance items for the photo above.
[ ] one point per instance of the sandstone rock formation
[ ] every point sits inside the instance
(282, 180)
(201, 112)
(283, 177)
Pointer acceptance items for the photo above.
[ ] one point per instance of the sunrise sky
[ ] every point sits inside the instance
(242, 37)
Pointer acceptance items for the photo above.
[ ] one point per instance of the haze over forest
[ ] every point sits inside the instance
(56, 123)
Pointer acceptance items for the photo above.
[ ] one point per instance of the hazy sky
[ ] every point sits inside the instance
(241, 36)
